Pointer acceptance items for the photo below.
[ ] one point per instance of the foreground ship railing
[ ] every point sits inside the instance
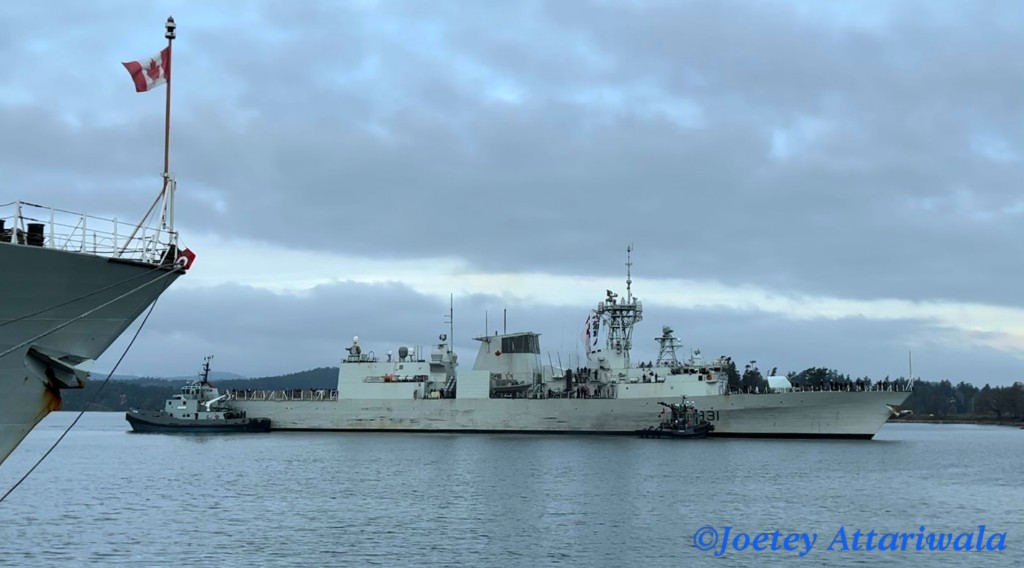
(29, 224)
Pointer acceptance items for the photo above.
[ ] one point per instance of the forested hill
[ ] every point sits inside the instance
(151, 392)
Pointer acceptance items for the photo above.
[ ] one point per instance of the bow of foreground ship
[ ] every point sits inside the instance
(509, 389)
(72, 283)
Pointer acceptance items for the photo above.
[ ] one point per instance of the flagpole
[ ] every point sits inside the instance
(167, 216)
(168, 70)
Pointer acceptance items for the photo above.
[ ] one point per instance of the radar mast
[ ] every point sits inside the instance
(667, 346)
(619, 315)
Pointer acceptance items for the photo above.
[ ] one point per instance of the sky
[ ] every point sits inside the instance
(803, 183)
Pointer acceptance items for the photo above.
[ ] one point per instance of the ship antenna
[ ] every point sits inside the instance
(206, 369)
(629, 274)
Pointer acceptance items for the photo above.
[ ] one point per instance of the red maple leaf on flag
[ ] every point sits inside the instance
(153, 70)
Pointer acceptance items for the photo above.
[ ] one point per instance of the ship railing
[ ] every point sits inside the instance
(282, 394)
(883, 386)
(396, 379)
(890, 386)
(29, 224)
(574, 393)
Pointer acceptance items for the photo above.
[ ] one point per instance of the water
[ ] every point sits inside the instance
(110, 497)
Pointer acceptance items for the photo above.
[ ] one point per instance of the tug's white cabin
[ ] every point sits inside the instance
(197, 400)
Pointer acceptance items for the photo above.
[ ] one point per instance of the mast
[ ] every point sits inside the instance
(629, 269)
(667, 346)
(169, 186)
(206, 369)
(451, 321)
(166, 194)
(619, 316)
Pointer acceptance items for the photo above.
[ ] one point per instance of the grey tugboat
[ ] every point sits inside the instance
(200, 408)
(681, 422)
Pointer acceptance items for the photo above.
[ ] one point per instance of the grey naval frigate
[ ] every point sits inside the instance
(72, 284)
(510, 390)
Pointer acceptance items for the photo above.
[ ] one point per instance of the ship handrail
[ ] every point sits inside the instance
(393, 378)
(892, 386)
(282, 394)
(88, 234)
(575, 393)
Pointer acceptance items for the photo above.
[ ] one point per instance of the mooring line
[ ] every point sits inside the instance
(82, 412)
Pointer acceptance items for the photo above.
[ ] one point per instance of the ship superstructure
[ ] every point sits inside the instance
(509, 389)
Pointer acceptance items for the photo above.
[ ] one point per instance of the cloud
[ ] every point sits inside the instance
(860, 153)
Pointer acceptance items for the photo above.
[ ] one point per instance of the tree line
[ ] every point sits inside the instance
(151, 392)
(936, 398)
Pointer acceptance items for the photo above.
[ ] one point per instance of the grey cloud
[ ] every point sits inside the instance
(376, 131)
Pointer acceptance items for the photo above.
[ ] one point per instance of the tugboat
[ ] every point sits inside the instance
(682, 422)
(200, 408)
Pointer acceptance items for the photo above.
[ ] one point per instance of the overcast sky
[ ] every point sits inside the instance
(805, 183)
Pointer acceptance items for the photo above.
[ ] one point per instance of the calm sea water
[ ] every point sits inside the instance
(110, 497)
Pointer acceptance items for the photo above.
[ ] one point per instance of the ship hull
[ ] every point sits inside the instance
(36, 278)
(817, 414)
(160, 423)
(694, 433)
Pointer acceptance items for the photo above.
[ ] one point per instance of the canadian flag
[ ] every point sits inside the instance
(586, 333)
(591, 331)
(150, 72)
(186, 258)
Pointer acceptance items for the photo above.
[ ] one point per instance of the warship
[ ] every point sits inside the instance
(199, 408)
(73, 283)
(510, 390)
